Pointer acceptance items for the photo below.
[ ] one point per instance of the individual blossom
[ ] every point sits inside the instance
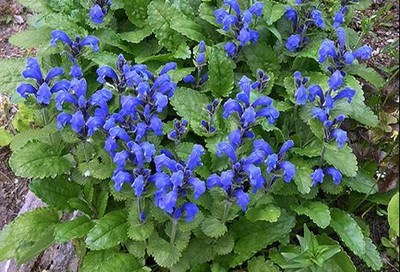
(238, 23)
(43, 89)
(76, 46)
(178, 184)
(99, 10)
(319, 174)
(262, 81)
(81, 109)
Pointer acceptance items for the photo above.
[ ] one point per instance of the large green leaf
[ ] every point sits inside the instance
(28, 235)
(348, 230)
(109, 231)
(303, 175)
(252, 237)
(31, 38)
(363, 182)
(224, 244)
(366, 73)
(55, 192)
(190, 104)
(161, 15)
(76, 228)
(269, 213)
(136, 10)
(5, 137)
(109, 260)
(342, 158)
(138, 230)
(261, 56)
(164, 253)
(213, 227)
(259, 264)
(10, 74)
(136, 36)
(220, 70)
(188, 28)
(371, 256)
(393, 213)
(39, 160)
(40, 134)
(273, 11)
(317, 211)
(206, 12)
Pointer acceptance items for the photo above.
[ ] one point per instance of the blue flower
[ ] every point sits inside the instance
(176, 185)
(75, 46)
(42, 90)
(99, 10)
(336, 175)
(243, 199)
(289, 170)
(317, 176)
(339, 17)
(230, 49)
(340, 136)
(364, 52)
(326, 49)
(316, 15)
(336, 80)
(291, 14)
(293, 42)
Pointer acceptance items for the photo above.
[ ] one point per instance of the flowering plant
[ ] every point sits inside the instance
(189, 147)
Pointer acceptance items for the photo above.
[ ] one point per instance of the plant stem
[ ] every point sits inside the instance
(321, 159)
(174, 230)
(228, 205)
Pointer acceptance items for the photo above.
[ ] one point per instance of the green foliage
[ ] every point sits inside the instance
(39, 160)
(393, 213)
(109, 231)
(342, 159)
(317, 211)
(221, 73)
(10, 74)
(110, 260)
(28, 235)
(76, 228)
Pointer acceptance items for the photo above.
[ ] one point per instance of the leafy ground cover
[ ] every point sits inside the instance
(378, 146)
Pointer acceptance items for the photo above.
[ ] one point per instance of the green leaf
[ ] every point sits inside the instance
(357, 109)
(206, 12)
(252, 237)
(161, 15)
(393, 213)
(220, 70)
(348, 230)
(164, 253)
(99, 167)
(259, 264)
(76, 228)
(136, 10)
(340, 262)
(273, 11)
(366, 73)
(39, 160)
(213, 227)
(136, 36)
(224, 244)
(109, 260)
(109, 231)
(342, 158)
(188, 28)
(31, 38)
(190, 104)
(363, 182)
(302, 179)
(105, 58)
(261, 56)
(5, 137)
(269, 213)
(317, 211)
(10, 74)
(55, 192)
(28, 235)
(138, 231)
(371, 256)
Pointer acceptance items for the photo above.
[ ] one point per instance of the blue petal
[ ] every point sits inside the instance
(120, 177)
(91, 41)
(168, 67)
(148, 150)
(326, 49)
(79, 86)
(314, 91)
(257, 8)
(33, 70)
(317, 176)
(340, 136)
(61, 85)
(177, 179)
(24, 89)
(235, 138)
(117, 132)
(226, 179)
(248, 117)
(346, 93)
(59, 35)
(198, 186)
(285, 147)
(341, 33)
(271, 162)
(64, 96)
(62, 119)
(213, 180)
(293, 42)
(227, 149)
(194, 159)
(271, 113)
(364, 52)
(57, 71)
(43, 95)
(163, 161)
(96, 14)
(168, 202)
(234, 5)
(120, 158)
(336, 80)
(262, 101)
(336, 175)
(156, 125)
(231, 106)
(105, 71)
(243, 199)
(301, 95)
(138, 185)
(191, 210)
(289, 170)
(220, 14)
(77, 121)
(256, 178)
(256, 157)
(316, 15)
(230, 49)
(263, 145)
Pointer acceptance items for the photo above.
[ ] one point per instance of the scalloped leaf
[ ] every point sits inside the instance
(393, 213)
(224, 244)
(109, 260)
(317, 211)
(348, 230)
(137, 230)
(164, 253)
(371, 256)
(28, 235)
(302, 179)
(136, 36)
(39, 160)
(160, 17)
(10, 74)
(220, 70)
(213, 227)
(109, 231)
(188, 28)
(363, 182)
(342, 158)
(56, 192)
(76, 228)
(136, 10)
(269, 213)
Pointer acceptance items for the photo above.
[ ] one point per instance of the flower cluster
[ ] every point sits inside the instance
(319, 174)
(339, 56)
(75, 48)
(262, 81)
(179, 131)
(238, 23)
(211, 110)
(79, 113)
(301, 21)
(99, 10)
(200, 62)
(338, 19)
(325, 103)
(43, 89)
(181, 180)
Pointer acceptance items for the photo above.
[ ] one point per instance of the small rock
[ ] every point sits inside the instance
(19, 19)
